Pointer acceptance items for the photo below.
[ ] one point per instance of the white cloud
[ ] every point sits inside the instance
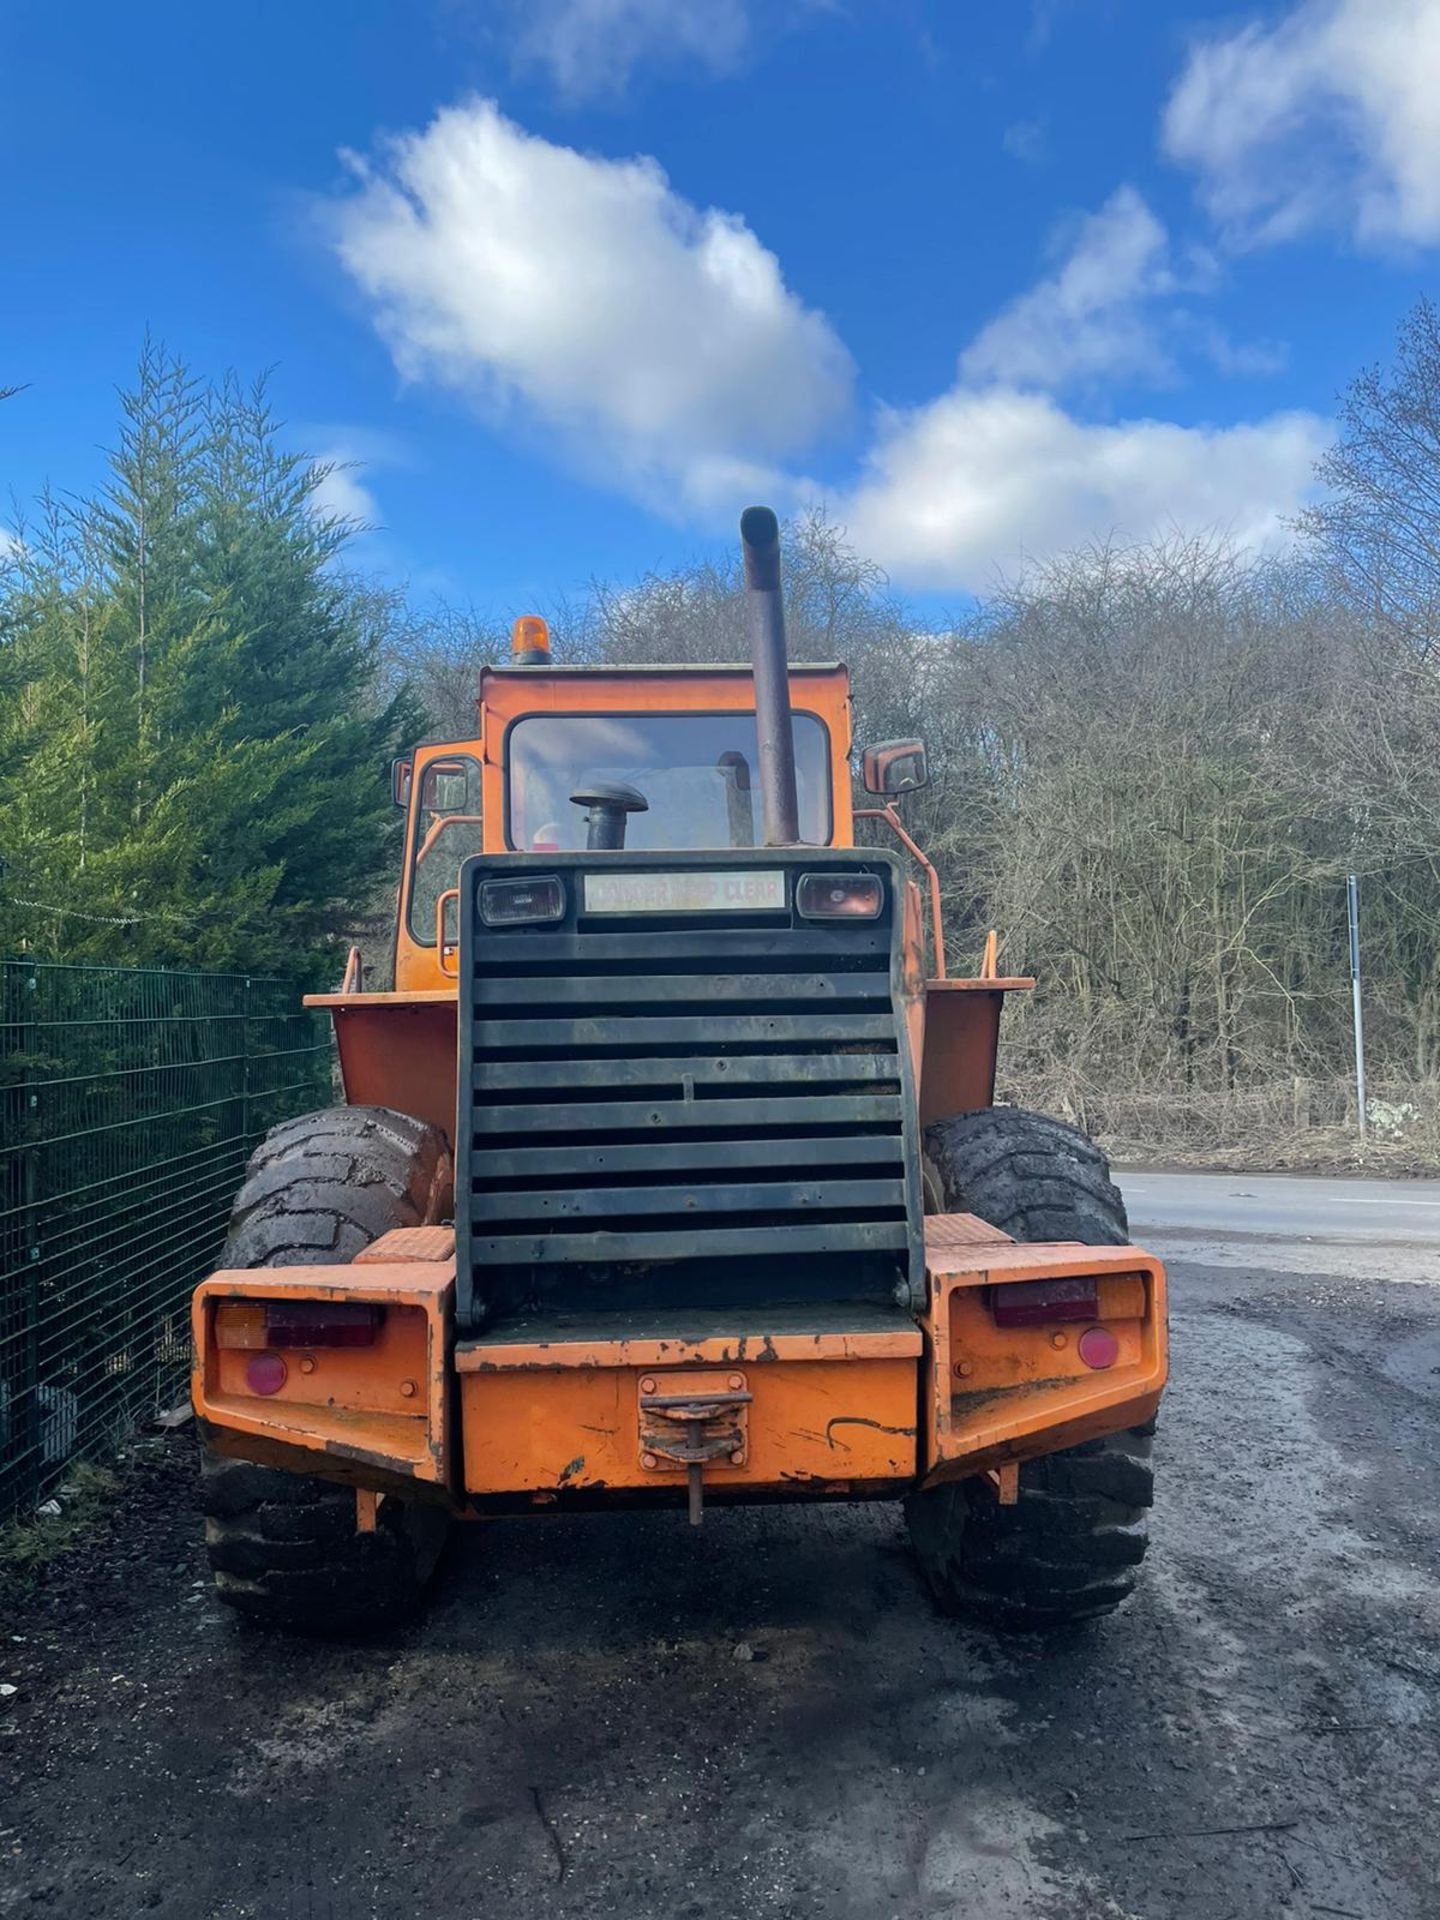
(1329, 115)
(340, 493)
(1115, 306)
(8, 543)
(981, 481)
(1025, 140)
(1043, 16)
(657, 346)
(1243, 359)
(592, 47)
(659, 341)
(995, 473)
(1087, 318)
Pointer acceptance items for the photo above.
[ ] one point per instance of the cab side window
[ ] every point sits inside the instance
(447, 831)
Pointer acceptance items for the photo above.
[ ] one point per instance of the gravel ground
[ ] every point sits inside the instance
(618, 1716)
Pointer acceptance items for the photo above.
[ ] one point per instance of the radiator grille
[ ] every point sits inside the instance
(668, 1106)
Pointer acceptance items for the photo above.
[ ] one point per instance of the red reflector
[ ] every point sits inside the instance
(266, 1373)
(1038, 1303)
(321, 1323)
(1098, 1347)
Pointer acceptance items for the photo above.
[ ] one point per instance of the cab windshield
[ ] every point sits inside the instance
(698, 774)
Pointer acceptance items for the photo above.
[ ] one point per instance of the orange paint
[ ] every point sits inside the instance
(351, 1403)
(397, 1050)
(574, 1428)
(509, 693)
(995, 1394)
(409, 1244)
(562, 1355)
(563, 1414)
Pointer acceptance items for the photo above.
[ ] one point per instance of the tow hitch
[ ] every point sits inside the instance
(685, 1424)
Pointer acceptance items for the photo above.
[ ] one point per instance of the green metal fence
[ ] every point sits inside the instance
(129, 1103)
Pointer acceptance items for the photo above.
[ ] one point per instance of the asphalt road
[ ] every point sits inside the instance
(620, 1716)
(1282, 1207)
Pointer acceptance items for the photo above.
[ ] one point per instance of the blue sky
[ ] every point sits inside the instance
(575, 280)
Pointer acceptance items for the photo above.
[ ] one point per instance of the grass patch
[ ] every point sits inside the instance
(29, 1545)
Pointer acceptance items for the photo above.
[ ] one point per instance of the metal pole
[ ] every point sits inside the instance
(1352, 895)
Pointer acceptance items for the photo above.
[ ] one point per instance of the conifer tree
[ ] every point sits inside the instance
(193, 747)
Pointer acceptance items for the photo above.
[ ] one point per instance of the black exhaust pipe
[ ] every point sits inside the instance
(765, 617)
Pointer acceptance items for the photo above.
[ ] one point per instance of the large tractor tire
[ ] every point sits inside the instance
(284, 1547)
(1070, 1548)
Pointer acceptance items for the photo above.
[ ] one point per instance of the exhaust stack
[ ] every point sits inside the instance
(765, 617)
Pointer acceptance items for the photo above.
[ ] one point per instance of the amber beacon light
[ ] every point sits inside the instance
(529, 641)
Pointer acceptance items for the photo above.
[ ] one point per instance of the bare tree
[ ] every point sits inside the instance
(1378, 532)
(1152, 769)
(438, 652)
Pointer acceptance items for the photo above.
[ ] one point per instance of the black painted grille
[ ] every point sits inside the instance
(681, 1111)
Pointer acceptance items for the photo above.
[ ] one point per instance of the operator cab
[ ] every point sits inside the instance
(694, 775)
(570, 759)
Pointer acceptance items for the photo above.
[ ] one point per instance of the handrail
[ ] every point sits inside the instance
(438, 825)
(897, 827)
(450, 893)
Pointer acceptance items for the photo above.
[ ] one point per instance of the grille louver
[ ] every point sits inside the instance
(680, 1093)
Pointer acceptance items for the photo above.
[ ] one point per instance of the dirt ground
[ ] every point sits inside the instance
(620, 1716)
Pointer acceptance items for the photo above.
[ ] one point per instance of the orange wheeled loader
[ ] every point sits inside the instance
(670, 1175)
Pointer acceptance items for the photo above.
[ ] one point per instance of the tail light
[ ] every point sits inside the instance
(259, 1324)
(321, 1323)
(1040, 1303)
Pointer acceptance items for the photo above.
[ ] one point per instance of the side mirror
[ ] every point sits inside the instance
(445, 787)
(402, 771)
(894, 767)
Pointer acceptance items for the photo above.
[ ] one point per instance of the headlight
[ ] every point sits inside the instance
(518, 903)
(839, 896)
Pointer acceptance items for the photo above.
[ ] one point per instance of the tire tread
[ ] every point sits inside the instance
(1068, 1550)
(283, 1547)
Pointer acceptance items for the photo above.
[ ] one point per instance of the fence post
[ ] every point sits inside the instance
(245, 1075)
(1357, 1011)
(27, 1431)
